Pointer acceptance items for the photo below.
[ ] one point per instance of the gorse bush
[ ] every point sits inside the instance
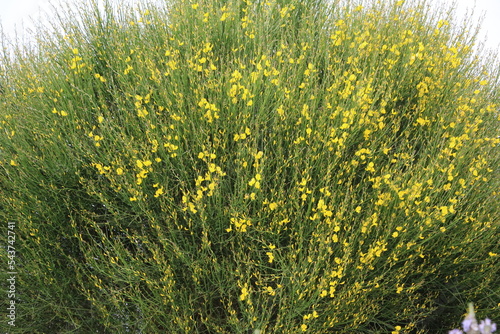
(236, 166)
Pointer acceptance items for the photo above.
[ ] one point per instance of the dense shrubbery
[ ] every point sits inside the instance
(229, 166)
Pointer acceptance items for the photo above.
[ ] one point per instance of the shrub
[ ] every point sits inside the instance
(230, 166)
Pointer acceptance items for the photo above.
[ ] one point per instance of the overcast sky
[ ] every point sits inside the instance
(17, 13)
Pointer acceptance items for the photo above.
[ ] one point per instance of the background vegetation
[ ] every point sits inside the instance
(227, 166)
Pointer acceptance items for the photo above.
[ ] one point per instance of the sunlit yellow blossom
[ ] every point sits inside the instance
(335, 238)
(159, 192)
(270, 290)
(271, 257)
(397, 328)
(244, 293)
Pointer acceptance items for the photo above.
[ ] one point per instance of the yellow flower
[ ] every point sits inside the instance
(363, 45)
(142, 112)
(423, 121)
(159, 192)
(119, 171)
(335, 238)
(192, 207)
(244, 293)
(273, 206)
(270, 290)
(397, 329)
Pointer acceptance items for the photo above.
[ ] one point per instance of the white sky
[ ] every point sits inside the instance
(16, 14)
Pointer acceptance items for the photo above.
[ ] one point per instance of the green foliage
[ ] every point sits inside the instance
(223, 166)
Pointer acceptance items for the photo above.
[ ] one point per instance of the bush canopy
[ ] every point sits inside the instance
(237, 166)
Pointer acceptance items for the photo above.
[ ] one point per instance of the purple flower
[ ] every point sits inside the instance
(486, 326)
(469, 324)
(455, 331)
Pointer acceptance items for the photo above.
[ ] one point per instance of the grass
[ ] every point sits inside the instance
(233, 166)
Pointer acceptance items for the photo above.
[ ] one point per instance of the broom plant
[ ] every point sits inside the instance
(237, 166)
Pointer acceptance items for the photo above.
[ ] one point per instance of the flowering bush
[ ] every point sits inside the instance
(229, 166)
